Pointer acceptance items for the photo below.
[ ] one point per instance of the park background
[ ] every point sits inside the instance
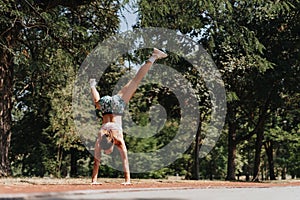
(254, 44)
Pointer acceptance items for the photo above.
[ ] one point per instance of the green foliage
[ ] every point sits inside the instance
(51, 44)
(244, 38)
(255, 45)
(213, 166)
(30, 147)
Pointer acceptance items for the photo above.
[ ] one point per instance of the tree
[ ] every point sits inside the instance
(235, 34)
(255, 45)
(31, 31)
(9, 36)
(280, 38)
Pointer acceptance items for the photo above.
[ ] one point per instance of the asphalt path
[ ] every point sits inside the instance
(272, 193)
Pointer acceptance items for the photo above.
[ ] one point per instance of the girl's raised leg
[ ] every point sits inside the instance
(129, 89)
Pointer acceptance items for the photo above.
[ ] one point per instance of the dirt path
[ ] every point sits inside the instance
(37, 185)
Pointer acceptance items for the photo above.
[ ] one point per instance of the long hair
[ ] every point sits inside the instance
(107, 140)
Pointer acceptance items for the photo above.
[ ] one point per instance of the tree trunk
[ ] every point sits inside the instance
(231, 152)
(232, 142)
(269, 150)
(259, 131)
(74, 158)
(195, 170)
(283, 173)
(258, 147)
(6, 92)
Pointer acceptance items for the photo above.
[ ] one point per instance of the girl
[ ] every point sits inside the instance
(112, 108)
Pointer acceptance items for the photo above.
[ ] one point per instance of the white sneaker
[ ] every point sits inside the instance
(159, 54)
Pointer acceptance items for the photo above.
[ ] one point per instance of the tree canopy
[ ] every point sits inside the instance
(254, 44)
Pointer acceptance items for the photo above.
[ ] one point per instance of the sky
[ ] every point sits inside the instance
(128, 16)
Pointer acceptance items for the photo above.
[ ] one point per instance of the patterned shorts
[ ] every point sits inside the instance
(112, 105)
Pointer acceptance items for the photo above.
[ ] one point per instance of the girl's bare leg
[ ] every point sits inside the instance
(129, 89)
(97, 156)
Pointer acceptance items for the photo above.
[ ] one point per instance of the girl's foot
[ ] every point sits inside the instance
(159, 54)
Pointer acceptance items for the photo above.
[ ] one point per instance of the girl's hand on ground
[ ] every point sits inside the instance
(126, 183)
(96, 183)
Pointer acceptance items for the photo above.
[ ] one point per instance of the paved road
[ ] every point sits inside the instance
(274, 193)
